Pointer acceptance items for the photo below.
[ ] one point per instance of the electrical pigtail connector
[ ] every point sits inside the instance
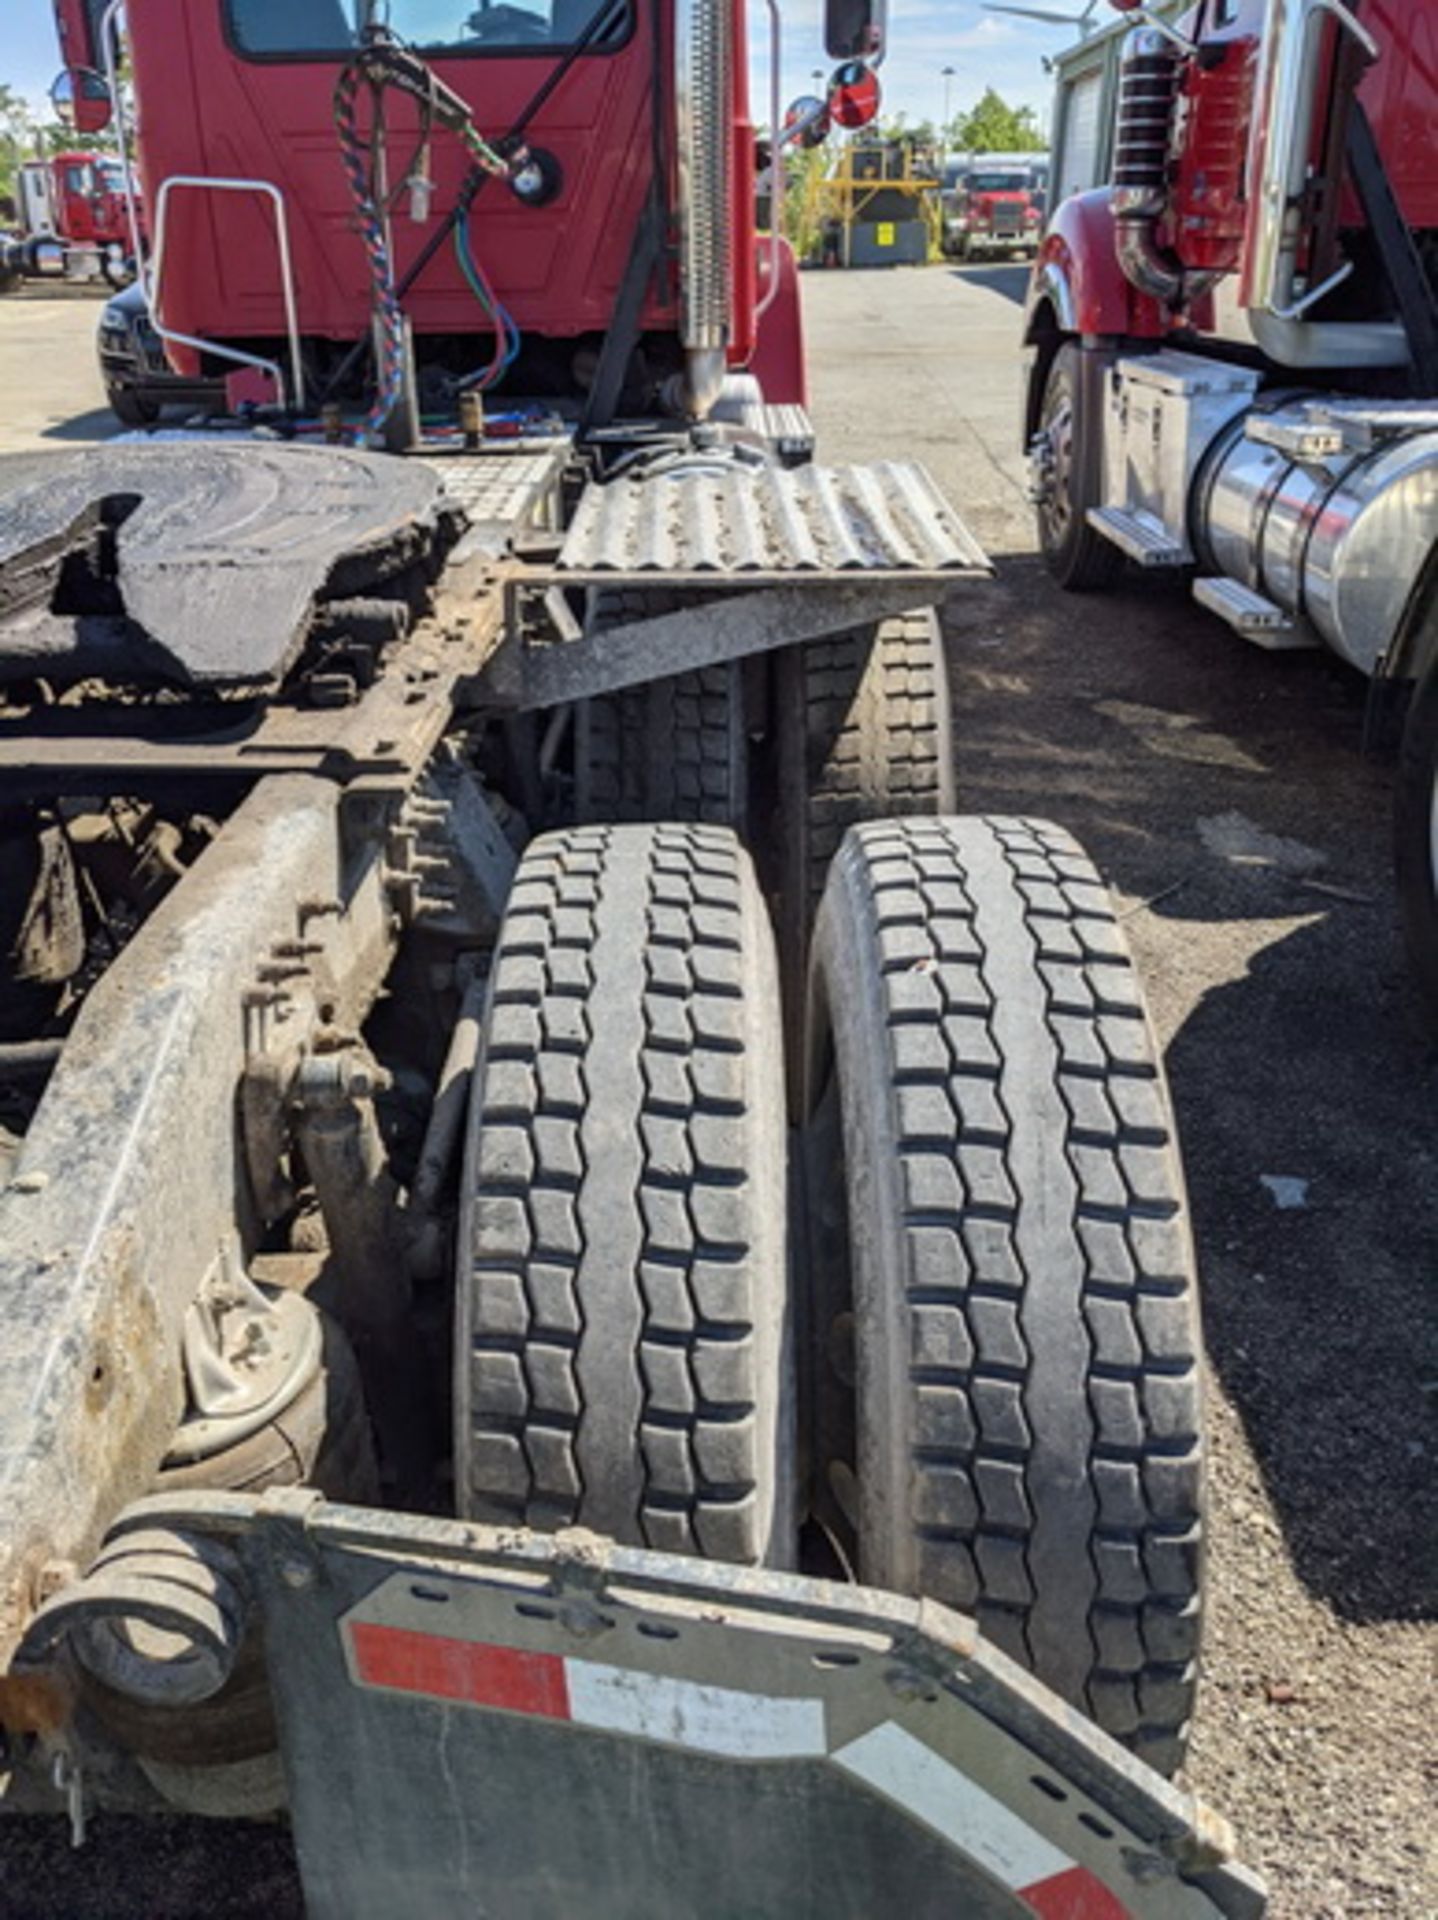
(420, 186)
(535, 176)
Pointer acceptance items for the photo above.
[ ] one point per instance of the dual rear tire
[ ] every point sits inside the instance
(994, 1382)
(1001, 1263)
(622, 1346)
(789, 750)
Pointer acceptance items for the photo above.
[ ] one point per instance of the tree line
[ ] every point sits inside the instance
(991, 125)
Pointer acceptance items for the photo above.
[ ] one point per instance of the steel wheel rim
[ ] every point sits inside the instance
(1056, 505)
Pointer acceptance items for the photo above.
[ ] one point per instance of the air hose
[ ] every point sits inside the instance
(506, 333)
(383, 63)
(598, 24)
(370, 220)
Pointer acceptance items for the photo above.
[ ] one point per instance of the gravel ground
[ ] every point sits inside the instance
(1225, 794)
(1294, 1053)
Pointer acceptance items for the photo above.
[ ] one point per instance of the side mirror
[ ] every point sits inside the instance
(81, 99)
(855, 29)
(806, 124)
(854, 94)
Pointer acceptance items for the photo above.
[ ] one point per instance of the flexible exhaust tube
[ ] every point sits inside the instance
(1148, 89)
(703, 60)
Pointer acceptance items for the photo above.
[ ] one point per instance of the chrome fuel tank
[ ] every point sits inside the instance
(1367, 545)
(1329, 509)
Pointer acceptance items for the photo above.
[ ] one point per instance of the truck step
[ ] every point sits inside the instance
(1142, 537)
(762, 524)
(786, 426)
(1250, 615)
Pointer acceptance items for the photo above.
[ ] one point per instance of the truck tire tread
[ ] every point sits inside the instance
(673, 749)
(620, 1359)
(1044, 1470)
(877, 731)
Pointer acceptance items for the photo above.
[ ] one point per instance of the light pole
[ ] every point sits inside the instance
(948, 75)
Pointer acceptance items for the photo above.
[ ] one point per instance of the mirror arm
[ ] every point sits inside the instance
(1185, 46)
(109, 38)
(776, 157)
(798, 128)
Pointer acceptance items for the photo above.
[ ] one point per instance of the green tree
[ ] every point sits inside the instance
(804, 168)
(993, 126)
(17, 134)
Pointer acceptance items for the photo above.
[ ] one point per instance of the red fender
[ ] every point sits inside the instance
(1077, 275)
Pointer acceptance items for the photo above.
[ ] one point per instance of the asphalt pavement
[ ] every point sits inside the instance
(1226, 794)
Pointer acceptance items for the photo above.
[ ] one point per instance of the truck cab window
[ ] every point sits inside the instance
(327, 28)
(996, 182)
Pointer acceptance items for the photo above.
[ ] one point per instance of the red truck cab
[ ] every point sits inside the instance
(89, 197)
(555, 263)
(72, 220)
(992, 209)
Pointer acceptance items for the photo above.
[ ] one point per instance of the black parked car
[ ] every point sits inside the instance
(139, 381)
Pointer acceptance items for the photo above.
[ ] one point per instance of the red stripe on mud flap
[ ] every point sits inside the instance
(1075, 1894)
(469, 1670)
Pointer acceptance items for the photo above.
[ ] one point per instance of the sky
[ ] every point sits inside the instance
(925, 36)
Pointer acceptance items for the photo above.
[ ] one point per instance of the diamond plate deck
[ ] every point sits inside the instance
(503, 488)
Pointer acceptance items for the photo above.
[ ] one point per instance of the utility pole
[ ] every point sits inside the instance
(948, 77)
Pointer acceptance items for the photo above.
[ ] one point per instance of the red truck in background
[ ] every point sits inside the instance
(1285, 464)
(70, 220)
(992, 209)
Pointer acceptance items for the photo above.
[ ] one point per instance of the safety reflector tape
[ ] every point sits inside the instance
(680, 1713)
(468, 1670)
(1074, 1895)
(676, 1713)
(740, 1726)
(959, 1810)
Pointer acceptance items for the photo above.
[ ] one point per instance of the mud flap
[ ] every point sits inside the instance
(502, 1723)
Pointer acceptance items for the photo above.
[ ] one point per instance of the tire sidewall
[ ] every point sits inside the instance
(1078, 558)
(1414, 847)
(843, 1035)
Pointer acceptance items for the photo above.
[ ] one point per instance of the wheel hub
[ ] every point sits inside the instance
(1051, 471)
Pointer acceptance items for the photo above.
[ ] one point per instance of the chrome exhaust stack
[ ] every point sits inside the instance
(703, 55)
